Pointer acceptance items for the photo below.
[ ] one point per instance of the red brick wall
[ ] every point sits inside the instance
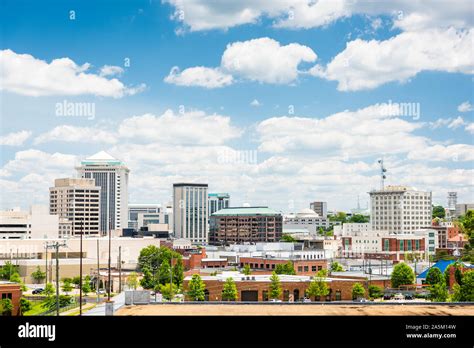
(215, 287)
(270, 264)
(15, 291)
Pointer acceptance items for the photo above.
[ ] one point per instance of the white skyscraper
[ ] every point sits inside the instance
(400, 209)
(111, 175)
(190, 212)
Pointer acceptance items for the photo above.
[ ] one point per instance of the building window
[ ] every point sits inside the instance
(306, 268)
(300, 269)
(313, 268)
(401, 248)
(265, 295)
(338, 295)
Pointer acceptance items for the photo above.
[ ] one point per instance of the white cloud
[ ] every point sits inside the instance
(199, 76)
(255, 102)
(265, 60)
(470, 128)
(66, 133)
(456, 123)
(198, 15)
(111, 70)
(15, 139)
(454, 153)
(356, 138)
(465, 107)
(192, 127)
(27, 75)
(369, 64)
(262, 60)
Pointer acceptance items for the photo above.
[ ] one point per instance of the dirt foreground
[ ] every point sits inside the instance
(277, 309)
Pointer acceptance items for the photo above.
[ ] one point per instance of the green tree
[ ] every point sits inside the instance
(168, 291)
(336, 267)
(67, 285)
(318, 286)
(246, 270)
(375, 291)
(434, 276)
(438, 212)
(132, 280)
(275, 286)
(402, 275)
(76, 281)
(288, 238)
(25, 305)
(178, 272)
(196, 288)
(38, 275)
(7, 270)
(49, 290)
(86, 287)
(15, 278)
(340, 216)
(229, 292)
(438, 291)
(285, 268)
(465, 292)
(164, 272)
(6, 306)
(155, 264)
(50, 302)
(359, 218)
(358, 291)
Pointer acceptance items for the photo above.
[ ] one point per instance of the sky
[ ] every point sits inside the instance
(278, 103)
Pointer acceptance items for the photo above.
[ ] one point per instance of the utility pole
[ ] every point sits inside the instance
(110, 260)
(11, 263)
(120, 268)
(46, 265)
(56, 245)
(80, 269)
(98, 271)
(171, 279)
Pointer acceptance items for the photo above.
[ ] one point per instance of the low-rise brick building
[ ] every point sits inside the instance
(12, 291)
(301, 267)
(257, 287)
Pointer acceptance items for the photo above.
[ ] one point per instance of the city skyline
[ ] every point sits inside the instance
(182, 95)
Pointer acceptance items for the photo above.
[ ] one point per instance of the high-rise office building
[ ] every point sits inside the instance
(77, 201)
(111, 175)
(400, 209)
(190, 212)
(134, 210)
(218, 201)
(319, 208)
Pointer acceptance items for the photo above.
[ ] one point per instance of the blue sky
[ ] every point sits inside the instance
(317, 75)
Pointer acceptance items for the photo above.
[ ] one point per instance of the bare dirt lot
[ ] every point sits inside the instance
(282, 309)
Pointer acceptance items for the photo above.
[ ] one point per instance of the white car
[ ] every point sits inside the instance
(275, 300)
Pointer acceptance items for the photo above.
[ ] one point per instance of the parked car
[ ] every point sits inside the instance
(398, 297)
(305, 300)
(37, 291)
(387, 296)
(101, 291)
(409, 297)
(275, 300)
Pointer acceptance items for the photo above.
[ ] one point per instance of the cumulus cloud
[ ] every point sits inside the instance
(357, 138)
(263, 60)
(15, 138)
(366, 65)
(465, 107)
(190, 127)
(111, 70)
(199, 76)
(67, 133)
(201, 15)
(27, 75)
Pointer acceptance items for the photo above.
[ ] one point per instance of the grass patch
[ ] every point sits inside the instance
(36, 308)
